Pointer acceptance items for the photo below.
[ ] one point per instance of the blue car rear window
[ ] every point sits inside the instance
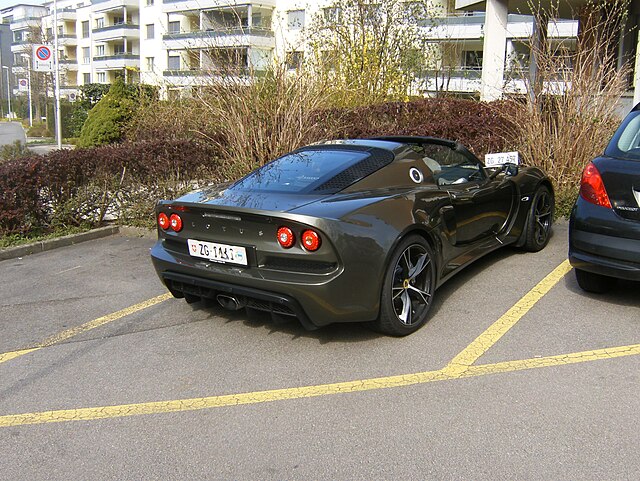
(300, 172)
(625, 143)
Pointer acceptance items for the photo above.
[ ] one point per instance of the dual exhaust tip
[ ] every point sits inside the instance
(230, 303)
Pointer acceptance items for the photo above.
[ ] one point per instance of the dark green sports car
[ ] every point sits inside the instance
(349, 230)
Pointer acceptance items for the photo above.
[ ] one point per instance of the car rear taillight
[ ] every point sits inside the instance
(163, 220)
(592, 188)
(310, 240)
(285, 237)
(176, 222)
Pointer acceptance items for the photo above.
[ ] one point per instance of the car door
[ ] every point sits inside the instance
(481, 205)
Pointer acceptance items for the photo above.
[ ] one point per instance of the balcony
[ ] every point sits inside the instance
(69, 64)
(117, 61)
(67, 14)
(232, 37)
(67, 40)
(25, 22)
(169, 6)
(471, 27)
(112, 32)
(21, 46)
(99, 6)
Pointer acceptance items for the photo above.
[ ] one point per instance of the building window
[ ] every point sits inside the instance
(99, 50)
(118, 49)
(100, 22)
(85, 29)
(332, 15)
(102, 77)
(149, 3)
(174, 62)
(86, 78)
(295, 19)
(150, 63)
(151, 31)
(86, 54)
(174, 27)
(294, 60)
(49, 33)
(472, 60)
(118, 20)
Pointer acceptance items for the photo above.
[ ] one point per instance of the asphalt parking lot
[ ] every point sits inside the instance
(518, 375)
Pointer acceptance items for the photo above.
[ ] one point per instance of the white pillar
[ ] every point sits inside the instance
(495, 38)
(636, 77)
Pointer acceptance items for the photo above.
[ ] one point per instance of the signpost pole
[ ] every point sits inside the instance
(8, 92)
(56, 66)
(29, 93)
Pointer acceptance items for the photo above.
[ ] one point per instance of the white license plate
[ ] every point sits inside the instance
(218, 252)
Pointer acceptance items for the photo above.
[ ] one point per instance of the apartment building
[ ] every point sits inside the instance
(181, 44)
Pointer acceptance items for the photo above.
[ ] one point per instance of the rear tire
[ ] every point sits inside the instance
(408, 288)
(539, 220)
(591, 282)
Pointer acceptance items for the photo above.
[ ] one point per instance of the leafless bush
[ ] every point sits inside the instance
(569, 113)
(258, 117)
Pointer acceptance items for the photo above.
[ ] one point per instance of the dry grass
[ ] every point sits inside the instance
(256, 119)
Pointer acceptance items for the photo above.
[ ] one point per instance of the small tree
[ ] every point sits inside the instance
(107, 120)
(371, 50)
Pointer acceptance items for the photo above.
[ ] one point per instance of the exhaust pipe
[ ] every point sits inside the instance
(230, 303)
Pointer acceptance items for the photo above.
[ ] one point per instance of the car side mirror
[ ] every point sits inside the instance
(511, 170)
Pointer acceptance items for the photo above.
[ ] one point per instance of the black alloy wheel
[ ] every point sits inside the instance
(540, 219)
(407, 293)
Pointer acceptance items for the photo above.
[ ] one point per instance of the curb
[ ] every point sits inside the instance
(47, 245)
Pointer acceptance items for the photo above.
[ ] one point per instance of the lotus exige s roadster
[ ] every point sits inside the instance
(349, 230)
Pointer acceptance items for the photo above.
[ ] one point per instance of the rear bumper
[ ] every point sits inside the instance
(603, 243)
(315, 300)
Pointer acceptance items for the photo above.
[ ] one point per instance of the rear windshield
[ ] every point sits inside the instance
(625, 143)
(300, 172)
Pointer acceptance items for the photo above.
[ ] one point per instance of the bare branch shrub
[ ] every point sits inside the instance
(569, 114)
(256, 117)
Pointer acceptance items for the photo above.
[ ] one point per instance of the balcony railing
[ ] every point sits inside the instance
(117, 26)
(216, 33)
(117, 56)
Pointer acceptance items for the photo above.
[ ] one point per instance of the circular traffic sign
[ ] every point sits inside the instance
(43, 53)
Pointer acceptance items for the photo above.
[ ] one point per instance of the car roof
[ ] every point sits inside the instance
(371, 143)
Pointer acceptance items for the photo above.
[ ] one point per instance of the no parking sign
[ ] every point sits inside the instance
(42, 58)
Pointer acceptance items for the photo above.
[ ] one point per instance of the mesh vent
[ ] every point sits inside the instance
(376, 159)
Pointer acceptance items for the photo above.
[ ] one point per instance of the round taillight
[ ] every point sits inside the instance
(310, 240)
(176, 222)
(163, 220)
(285, 237)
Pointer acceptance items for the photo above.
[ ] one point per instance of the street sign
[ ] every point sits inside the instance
(23, 85)
(43, 58)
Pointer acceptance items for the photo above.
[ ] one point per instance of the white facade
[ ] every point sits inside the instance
(177, 44)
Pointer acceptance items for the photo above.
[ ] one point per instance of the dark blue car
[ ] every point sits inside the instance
(604, 230)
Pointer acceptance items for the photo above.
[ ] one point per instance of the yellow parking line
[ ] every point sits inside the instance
(194, 404)
(489, 337)
(87, 326)
(561, 360)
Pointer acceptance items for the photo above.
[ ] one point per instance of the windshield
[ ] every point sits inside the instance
(300, 172)
(626, 141)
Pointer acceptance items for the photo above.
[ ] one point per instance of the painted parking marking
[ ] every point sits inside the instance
(259, 397)
(461, 367)
(494, 333)
(87, 326)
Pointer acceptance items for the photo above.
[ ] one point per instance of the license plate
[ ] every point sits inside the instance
(218, 252)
